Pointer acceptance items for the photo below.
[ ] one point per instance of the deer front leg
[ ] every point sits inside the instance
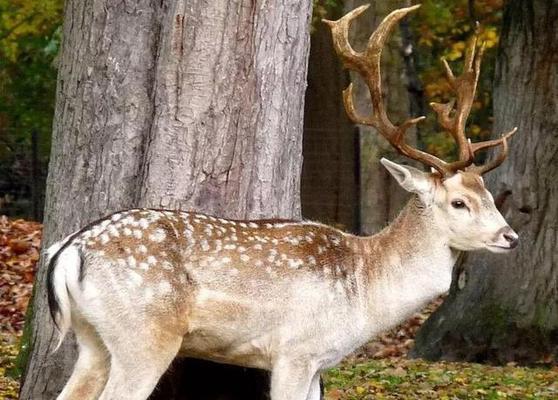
(292, 379)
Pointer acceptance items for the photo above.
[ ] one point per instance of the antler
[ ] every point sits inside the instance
(452, 116)
(367, 64)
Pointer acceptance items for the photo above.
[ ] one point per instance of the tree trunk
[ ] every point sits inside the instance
(503, 307)
(183, 105)
(329, 182)
(381, 198)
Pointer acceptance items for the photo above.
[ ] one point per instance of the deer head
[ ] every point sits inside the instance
(454, 192)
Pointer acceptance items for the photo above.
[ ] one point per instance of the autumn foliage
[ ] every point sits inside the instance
(20, 242)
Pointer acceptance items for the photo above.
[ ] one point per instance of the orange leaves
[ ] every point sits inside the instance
(19, 252)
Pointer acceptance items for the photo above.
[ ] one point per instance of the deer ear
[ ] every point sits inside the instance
(409, 178)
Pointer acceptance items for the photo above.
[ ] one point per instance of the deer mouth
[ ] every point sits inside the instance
(496, 248)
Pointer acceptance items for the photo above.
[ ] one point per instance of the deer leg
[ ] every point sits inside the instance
(292, 379)
(137, 365)
(315, 391)
(92, 366)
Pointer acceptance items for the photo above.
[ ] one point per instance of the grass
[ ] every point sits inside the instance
(9, 387)
(417, 379)
(395, 379)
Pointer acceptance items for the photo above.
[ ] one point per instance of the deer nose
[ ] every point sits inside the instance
(511, 237)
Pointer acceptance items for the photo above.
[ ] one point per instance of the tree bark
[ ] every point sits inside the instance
(503, 307)
(183, 105)
(329, 185)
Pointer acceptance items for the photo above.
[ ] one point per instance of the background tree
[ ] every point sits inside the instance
(174, 105)
(381, 198)
(504, 308)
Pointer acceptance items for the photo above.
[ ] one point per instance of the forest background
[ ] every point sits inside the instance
(30, 37)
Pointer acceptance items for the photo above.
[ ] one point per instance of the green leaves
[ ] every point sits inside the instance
(30, 33)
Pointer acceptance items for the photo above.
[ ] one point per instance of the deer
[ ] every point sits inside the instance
(143, 286)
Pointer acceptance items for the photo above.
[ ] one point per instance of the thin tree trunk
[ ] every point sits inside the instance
(504, 307)
(190, 105)
(381, 198)
(329, 182)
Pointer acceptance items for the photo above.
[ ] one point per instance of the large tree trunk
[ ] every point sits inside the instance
(191, 105)
(503, 307)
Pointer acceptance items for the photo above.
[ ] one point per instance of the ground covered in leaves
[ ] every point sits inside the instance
(379, 370)
(416, 379)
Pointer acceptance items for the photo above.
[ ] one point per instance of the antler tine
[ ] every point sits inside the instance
(464, 87)
(340, 35)
(367, 64)
(502, 141)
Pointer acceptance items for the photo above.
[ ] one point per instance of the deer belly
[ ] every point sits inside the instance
(253, 332)
(228, 329)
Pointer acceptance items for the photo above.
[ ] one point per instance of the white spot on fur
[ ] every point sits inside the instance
(144, 223)
(116, 217)
(218, 245)
(127, 231)
(335, 240)
(204, 245)
(138, 234)
(142, 249)
(131, 261)
(229, 246)
(244, 258)
(144, 266)
(151, 260)
(241, 249)
(113, 231)
(294, 264)
(104, 238)
(158, 235)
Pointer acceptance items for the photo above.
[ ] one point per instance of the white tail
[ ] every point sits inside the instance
(64, 274)
(143, 286)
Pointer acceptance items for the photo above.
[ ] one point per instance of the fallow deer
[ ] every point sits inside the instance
(142, 286)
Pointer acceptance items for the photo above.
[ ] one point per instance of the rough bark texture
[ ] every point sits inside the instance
(192, 105)
(503, 307)
(381, 198)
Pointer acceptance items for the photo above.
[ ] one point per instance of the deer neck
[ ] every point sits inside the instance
(408, 264)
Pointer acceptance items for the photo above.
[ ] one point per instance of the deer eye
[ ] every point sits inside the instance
(458, 204)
